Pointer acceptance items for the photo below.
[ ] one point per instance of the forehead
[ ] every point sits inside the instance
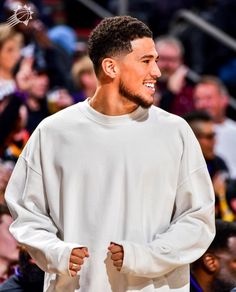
(165, 48)
(206, 89)
(143, 47)
(207, 126)
(203, 126)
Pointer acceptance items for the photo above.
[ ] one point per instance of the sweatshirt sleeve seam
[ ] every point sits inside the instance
(30, 165)
(192, 172)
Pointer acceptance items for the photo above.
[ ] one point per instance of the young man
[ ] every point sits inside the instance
(114, 187)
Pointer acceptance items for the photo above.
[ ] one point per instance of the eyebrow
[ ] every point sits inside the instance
(149, 57)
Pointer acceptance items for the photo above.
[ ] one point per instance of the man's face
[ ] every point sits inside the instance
(206, 138)
(226, 278)
(170, 59)
(10, 54)
(40, 84)
(208, 97)
(139, 72)
(8, 245)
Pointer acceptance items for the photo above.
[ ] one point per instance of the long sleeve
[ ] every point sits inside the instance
(192, 227)
(32, 224)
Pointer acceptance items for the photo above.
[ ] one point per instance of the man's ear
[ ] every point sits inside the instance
(109, 67)
(211, 262)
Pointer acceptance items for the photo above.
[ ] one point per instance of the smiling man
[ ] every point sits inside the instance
(113, 194)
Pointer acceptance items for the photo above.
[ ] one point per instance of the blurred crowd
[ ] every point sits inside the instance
(45, 69)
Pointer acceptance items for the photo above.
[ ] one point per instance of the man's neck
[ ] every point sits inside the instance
(111, 103)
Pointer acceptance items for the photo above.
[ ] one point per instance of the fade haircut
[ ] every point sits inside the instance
(113, 36)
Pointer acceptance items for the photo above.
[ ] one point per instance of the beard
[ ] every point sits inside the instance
(138, 99)
(219, 285)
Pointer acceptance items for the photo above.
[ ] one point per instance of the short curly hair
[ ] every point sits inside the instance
(113, 35)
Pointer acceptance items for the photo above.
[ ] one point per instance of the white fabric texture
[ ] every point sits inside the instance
(226, 144)
(87, 179)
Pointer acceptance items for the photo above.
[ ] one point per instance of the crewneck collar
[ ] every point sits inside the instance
(98, 117)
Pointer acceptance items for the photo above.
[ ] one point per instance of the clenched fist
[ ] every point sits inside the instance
(77, 259)
(117, 255)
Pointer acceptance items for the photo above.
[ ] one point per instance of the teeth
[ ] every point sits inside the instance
(150, 85)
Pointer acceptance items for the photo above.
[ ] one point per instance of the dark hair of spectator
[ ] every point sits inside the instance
(8, 118)
(4, 211)
(197, 116)
(113, 36)
(224, 230)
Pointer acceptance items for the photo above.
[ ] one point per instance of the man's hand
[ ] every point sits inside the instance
(77, 259)
(117, 255)
(177, 79)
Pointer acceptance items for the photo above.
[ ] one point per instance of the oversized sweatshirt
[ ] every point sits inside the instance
(139, 180)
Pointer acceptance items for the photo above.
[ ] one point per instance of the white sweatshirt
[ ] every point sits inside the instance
(140, 180)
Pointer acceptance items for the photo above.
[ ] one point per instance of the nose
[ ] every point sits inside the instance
(201, 103)
(156, 72)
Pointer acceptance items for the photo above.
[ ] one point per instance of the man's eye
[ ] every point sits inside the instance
(146, 61)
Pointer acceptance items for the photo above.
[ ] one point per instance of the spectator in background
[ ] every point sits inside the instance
(34, 80)
(58, 99)
(65, 37)
(202, 125)
(174, 87)
(84, 78)
(211, 95)
(10, 45)
(38, 45)
(28, 277)
(9, 252)
(19, 137)
(9, 119)
(36, 85)
(36, 101)
(215, 271)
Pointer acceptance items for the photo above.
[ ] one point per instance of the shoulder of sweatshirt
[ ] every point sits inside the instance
(165, 117)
